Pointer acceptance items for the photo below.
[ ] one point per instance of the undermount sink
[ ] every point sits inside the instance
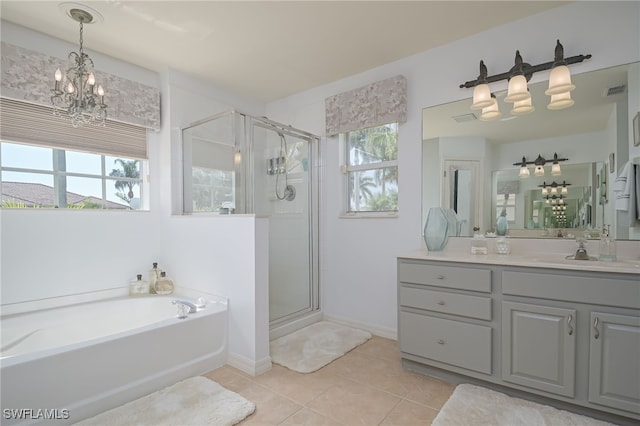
(573, 257)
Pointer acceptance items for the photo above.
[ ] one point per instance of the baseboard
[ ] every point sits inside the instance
(387, 333)
(253, 368)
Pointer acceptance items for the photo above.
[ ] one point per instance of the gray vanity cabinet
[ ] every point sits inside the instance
(614, 361)
(539, 346)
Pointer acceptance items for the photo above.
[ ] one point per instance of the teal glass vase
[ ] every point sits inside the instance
(436, 229)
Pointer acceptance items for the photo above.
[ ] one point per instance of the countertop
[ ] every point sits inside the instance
(531, 256)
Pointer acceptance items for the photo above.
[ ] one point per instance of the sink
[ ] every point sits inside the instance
(573, 257)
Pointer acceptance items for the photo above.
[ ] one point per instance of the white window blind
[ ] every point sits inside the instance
(32, 124)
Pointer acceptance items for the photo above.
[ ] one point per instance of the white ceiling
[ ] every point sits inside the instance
(267, 50)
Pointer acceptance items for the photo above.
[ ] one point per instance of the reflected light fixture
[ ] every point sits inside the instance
(75, 94)
(552, 188)
(560, 85)
(492, 112)
(539, 164)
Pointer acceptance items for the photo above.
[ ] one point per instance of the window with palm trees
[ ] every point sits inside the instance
(372, 169)
(46, 177)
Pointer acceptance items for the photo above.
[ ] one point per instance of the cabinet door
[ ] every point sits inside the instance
(614, 361)
(538, 347)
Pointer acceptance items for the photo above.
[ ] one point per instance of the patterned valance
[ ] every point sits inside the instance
(28, 76)
(376, 104)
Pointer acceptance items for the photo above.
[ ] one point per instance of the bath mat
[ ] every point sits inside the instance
(194, 401)
(311, 348)
(471, 405)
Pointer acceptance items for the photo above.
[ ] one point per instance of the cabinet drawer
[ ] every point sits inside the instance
(451, 342)
(474, 279)
(448, 303)
(605, 290)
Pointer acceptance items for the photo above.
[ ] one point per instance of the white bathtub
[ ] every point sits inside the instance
(72, 362)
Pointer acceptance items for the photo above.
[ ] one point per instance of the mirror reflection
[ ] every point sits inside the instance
(586, 134)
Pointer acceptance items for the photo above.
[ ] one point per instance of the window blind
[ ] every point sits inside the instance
(32, 124)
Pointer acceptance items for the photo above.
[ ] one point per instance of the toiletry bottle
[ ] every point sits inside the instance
(138, 286)
(164, 285)
(154, 273)
(607, 248)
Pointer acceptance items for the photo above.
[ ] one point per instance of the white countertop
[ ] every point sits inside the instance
(532, 256)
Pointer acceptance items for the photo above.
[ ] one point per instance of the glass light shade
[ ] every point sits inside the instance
(517, 90)
(546, 200)
(524, 171)
(560, 101)
(564, 190)
(545, 191)
(561, 201)
(481, 97)
(539, 171)
(522, 107)
(555, 169)
(492, 112)
(554, 190)
(559, 81)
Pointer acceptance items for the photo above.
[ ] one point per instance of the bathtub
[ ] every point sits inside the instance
(74, 357)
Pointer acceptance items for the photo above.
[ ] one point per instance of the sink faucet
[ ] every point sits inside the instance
(192, 307)
(581, 253)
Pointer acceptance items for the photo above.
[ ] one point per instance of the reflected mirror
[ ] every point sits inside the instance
(587, 133)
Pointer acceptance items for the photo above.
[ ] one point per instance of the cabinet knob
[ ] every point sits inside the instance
(441, 302)
(440, 342)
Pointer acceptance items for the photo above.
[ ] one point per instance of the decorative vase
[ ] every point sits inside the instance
(502, 225)
(436, 229)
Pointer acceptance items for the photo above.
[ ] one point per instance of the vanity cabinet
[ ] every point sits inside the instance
(539, 346)
(614, 361)
(569, 335)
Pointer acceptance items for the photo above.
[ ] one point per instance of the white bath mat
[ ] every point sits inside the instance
(315, 346)
(471, 405)
(194, 401)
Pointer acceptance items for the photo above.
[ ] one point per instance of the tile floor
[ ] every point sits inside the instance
(367, 386)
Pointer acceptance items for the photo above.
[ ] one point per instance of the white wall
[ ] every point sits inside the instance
(358, 275)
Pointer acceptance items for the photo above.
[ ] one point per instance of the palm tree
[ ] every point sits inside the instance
(129, 170)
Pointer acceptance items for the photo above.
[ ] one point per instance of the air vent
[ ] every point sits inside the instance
(616, 90)
(465, 117)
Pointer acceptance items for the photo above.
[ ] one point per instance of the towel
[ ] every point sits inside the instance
(624, 188)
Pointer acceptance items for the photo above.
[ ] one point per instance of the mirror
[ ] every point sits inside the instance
(586, 134)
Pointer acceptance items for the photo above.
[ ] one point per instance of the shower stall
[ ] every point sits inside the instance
(234, 163)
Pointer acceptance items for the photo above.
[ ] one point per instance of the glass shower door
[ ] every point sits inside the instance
(283, 192)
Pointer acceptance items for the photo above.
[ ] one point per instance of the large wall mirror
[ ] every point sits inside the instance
(593, 134)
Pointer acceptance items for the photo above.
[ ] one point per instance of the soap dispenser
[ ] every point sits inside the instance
(607, 248)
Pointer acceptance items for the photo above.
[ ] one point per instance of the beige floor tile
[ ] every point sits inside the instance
(354, 404)
(408, 413)
(271, 408)
(429, 391)
(308, 417)
(298, 387)
(381, 348)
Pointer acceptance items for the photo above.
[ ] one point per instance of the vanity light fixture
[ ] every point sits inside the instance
(560, 85)
(539, 164)
(75, 94)
(492, 112)
(552, 188)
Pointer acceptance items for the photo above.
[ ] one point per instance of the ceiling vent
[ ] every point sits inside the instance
(616, 90)
(465, 117)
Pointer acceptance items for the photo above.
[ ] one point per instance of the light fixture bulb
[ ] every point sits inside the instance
(492, 112)
(91, 80)
(559, 81)
(555, 169)
(522, 107)
(70, 88)
(517, 90)
(560, 101)
(481, 96)
(539, 171)
(58, 75)
(100, 90)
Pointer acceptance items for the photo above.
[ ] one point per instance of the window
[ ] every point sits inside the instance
(41, 177)
(46, 163)
(371, 169)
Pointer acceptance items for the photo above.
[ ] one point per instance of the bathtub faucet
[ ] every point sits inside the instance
(192, 307)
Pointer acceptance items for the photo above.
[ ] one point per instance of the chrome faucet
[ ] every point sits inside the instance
(192, 306)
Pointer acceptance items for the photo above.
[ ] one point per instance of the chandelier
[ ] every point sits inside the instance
(75, 95)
